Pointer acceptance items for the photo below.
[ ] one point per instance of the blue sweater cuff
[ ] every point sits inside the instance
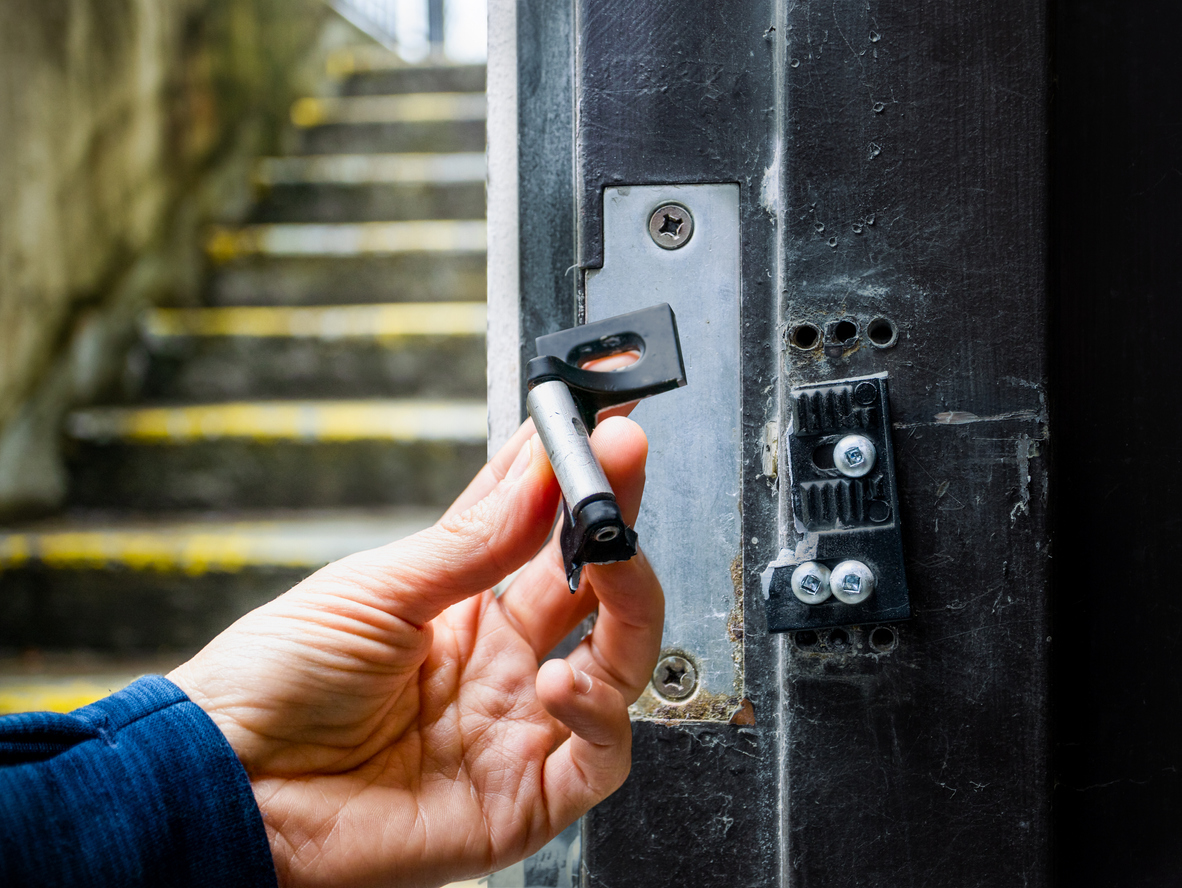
(138, 789)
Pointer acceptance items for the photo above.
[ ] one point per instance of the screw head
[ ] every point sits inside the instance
(671, 226)
(675, 678)
(851, 582)
(865, 393)
(810, 582)
(854, 456)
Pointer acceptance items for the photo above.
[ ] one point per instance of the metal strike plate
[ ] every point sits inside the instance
(843, 511)
(690, 522)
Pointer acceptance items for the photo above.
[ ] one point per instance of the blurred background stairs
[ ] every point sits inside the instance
(326, 397)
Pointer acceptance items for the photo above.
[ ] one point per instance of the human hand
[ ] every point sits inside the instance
(390, 709)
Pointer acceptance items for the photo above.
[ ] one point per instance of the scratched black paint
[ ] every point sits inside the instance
(911, 139)
(545, 173)
(916, 164)
(684, 93)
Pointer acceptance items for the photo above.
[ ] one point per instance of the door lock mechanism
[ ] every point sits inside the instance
(564, 402)
(847, 565)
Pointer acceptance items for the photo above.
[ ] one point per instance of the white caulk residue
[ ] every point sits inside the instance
(769, 191)
(785, 558)
(1026, 448)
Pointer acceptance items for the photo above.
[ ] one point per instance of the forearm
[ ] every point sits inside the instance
(139, 789)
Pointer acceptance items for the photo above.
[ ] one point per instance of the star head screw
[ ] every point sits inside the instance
(671, 226)
(675, 678)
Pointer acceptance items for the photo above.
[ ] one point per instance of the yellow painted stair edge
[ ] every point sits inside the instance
(225, 244)
(48, 695)
(296, 421)
(404, 108)
(385, 321)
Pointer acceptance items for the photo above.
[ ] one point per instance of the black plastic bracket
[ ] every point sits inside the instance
(651, 331)
(839, 518)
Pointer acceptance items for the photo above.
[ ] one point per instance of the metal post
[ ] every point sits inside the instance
(435, 27)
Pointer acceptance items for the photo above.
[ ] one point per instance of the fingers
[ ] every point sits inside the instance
(466, 552)
(537, 602)
(622, 448)
(615, 362)
(592, 763)
(493, 472)
(612, 362)
(622, 649)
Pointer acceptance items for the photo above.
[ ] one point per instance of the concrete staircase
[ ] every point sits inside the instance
(327, 397)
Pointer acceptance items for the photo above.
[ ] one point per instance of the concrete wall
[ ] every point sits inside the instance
(124, 125)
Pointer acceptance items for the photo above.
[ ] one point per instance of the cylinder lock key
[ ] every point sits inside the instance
(565, 400)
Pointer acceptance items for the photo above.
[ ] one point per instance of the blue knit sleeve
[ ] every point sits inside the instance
(138, 789)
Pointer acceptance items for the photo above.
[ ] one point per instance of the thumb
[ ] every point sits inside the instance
(421, 576)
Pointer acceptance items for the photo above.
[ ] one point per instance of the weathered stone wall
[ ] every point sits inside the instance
(116, 119)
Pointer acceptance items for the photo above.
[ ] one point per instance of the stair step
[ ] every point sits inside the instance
(432, 107)
(368, 56)
(372, 169)
(40, 681)
(420, 349)
(361, 187)
(365, 70)
(349, 238)
(172, 582)
(201, 544)
(331, 202)
(306, 280)
(58, 694)
(384, 138)
(456, 78)
(278, 454)
(382, 321)
(300, 421)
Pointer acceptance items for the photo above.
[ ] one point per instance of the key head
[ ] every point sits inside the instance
(651, 331)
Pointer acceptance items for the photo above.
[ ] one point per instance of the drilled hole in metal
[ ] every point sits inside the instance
(839, 638)
(844, 331)
(806, 639)
(883, 639)
(805, 336)
(823, 456)
(882, 332)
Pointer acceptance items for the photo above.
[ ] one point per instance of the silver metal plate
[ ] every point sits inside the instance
(690, 524)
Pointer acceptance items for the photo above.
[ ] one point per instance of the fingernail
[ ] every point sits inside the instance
(524, 458)
(582, 680)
